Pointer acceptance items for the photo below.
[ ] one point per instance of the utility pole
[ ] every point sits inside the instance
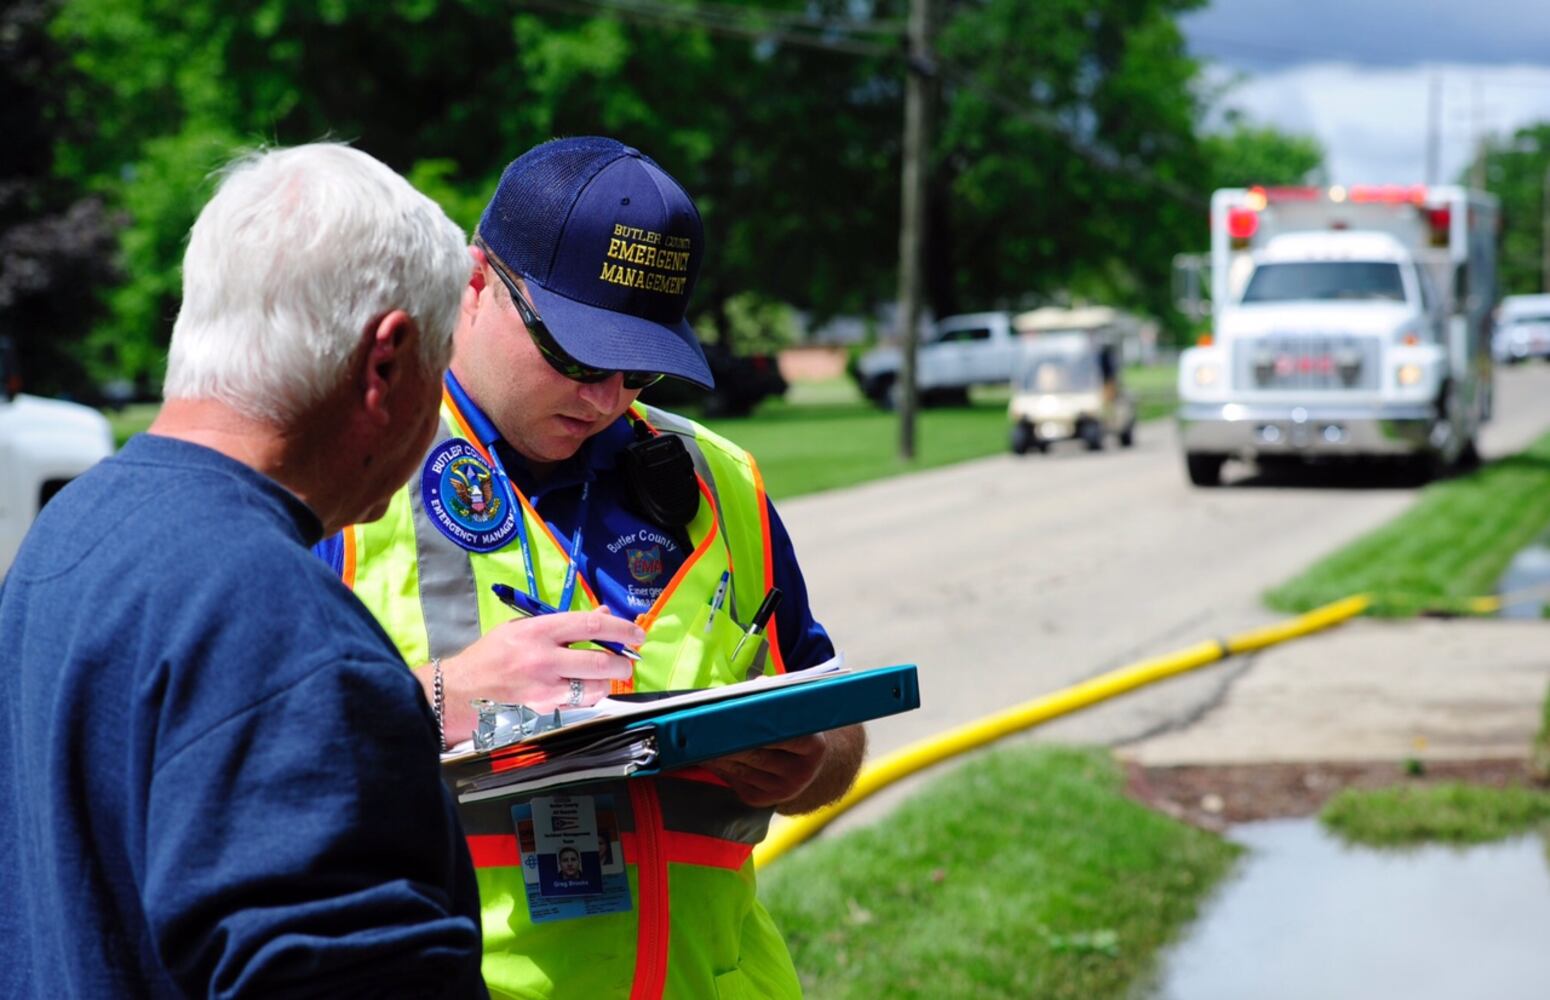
(1544, 236)
(1433, 128)
(919, 68)
(1477, 169)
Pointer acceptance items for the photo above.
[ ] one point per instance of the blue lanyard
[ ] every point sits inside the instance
(482, 426)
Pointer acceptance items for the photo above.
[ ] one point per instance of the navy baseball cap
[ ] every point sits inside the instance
(610, 247)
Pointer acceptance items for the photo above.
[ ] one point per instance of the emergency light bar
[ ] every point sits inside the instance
(1243, 221)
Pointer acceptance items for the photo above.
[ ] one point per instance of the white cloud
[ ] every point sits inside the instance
(1373, 121)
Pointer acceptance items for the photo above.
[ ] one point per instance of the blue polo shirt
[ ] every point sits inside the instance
(218, 778)
(626, 559)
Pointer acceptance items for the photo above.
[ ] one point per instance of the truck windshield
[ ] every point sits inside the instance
(1326, 281)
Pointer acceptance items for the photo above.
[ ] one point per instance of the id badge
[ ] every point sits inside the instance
(572, 859)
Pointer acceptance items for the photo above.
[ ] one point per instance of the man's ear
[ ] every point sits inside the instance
(476, 281)
(390, 345)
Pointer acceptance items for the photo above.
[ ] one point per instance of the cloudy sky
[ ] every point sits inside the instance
(1357, 75)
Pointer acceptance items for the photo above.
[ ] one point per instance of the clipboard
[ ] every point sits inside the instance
(646, 745)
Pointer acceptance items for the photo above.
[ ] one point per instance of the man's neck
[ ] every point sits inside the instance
(539, 470)
(280, 453)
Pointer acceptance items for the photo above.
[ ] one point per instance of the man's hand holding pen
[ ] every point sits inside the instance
(530, 661)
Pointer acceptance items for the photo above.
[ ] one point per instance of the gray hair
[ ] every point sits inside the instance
(296, 254)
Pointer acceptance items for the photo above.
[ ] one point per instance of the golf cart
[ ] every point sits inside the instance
(1067, 386)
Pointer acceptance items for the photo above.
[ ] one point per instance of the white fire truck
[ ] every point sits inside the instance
(1346, 322)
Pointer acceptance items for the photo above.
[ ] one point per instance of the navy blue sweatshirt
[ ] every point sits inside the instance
(216, 775)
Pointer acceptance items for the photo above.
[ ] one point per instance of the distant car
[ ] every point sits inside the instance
(1522, 329)
(955, 353)
(743, 381)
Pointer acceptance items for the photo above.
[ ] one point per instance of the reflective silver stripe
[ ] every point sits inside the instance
(446, 579)
(674, 424)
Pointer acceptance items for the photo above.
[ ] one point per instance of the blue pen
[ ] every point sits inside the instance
(531, 606)
(715, 602)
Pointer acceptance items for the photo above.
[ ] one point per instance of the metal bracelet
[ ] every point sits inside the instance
(439, 706)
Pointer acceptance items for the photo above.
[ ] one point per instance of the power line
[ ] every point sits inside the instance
(752, 23)
(756, 23)
(1100, 156)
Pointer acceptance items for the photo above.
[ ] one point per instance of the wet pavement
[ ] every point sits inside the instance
(1527, 579)
(1308, 916)
(1374, 690)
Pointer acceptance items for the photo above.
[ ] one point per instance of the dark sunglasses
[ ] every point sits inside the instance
(555, 354)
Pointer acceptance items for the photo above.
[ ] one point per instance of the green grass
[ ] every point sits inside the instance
(130, 420)
(1540, 755)
(824, 436)
(1023, 873)
(1156, 389)
(1451, 813)
(805, 448)
(1453, 544)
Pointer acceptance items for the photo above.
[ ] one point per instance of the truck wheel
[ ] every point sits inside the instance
(1091, 433)
(1127, 437)
(1204, 470)
(1023, 438)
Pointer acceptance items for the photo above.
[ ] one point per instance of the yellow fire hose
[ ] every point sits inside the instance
(788, 832)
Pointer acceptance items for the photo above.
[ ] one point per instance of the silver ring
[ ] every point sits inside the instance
(576, 691)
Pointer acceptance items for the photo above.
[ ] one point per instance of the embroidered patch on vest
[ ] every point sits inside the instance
(645, 564)
(466, 501)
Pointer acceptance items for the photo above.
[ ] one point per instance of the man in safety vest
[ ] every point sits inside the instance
(548, 477)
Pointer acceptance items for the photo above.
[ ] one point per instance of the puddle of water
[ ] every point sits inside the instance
(1529, 568)
(1307, 916)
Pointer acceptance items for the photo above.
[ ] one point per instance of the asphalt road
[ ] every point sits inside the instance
(1007, 578)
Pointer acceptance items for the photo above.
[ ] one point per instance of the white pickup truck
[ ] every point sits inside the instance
(44, 443)
(956, 353)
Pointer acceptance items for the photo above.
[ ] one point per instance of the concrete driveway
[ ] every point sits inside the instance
(1007, 578)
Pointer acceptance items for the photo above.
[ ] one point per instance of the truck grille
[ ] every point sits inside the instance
(1306, 362)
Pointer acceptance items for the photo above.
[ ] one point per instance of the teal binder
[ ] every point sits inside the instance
(703, 732)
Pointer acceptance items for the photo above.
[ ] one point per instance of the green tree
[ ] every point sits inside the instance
(1518, 173)
(1245, 154)
(54, 238)
(1067, 151)
(1067, 158)
(790, 177)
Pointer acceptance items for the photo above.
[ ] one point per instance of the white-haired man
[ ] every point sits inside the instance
(218, 777)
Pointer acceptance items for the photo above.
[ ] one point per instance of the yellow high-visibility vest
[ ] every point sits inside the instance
(695, 928)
